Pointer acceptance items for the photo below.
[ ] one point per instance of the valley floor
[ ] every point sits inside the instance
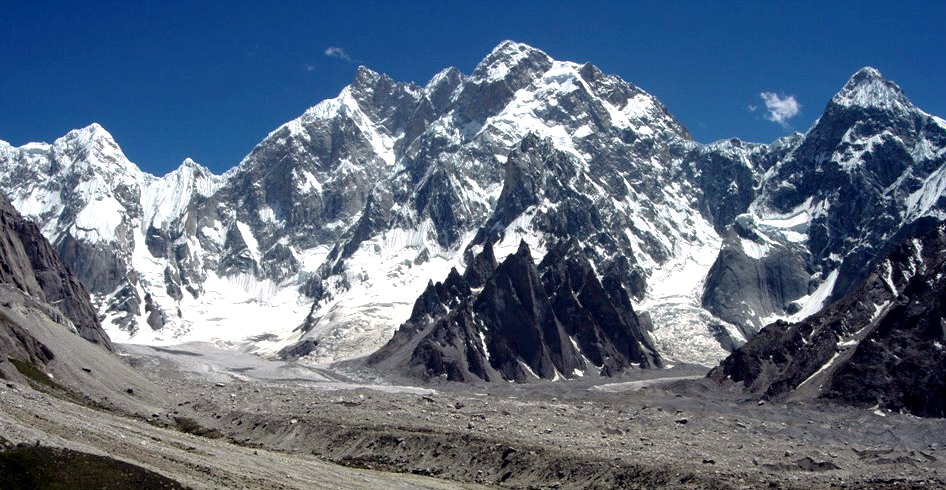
(32, 418)
(281, 425)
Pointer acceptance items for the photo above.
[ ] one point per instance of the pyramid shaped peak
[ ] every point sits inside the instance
(523, 248)
(365, 75)
(95, 127)
(510, 57)
(867, 72)
(866, 76)
(191, 166)
(93, 137)
(509, 46)
(448, 73)
(867, 88)
(92, 132)
(513, 51)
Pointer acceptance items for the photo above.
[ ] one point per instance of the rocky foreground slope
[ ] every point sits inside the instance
(881, 346)
(29, 264)
(50, 338)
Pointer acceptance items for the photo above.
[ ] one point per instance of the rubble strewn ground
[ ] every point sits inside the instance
(649, 429)
(32, 418)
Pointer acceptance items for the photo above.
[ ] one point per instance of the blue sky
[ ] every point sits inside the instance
(209, 80)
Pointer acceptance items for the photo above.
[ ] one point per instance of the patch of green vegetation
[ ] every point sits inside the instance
(47, 468)
(33, 373)
(191, 426)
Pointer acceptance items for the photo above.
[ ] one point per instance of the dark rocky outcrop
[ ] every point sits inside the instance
(29, 263)
(516, 321)
(41, 467)
(883, 345)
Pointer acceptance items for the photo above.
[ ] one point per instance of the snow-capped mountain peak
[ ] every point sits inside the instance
(442, 76)
(365, 76)
(511, 51)
(830, 202)
(323, 110)
(867, 72)
(166, 198)
(444, 86)
(190, 163)
(511, 58)
(93, 145)
(91, 133)
(869, 89)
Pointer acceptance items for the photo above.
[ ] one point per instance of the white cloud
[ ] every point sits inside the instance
(309, 68)
(337, 52)
(780, 108)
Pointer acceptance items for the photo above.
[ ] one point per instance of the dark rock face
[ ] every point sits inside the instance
(16, 342)
(738, 285)
(882, 345)
(727, 185)
(516, 321)
(29, 263)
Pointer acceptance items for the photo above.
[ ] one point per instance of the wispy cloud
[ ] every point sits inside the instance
(780, 108)
(308, 68)
(338, 52)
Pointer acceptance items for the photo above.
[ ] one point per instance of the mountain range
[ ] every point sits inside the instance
(322, 240)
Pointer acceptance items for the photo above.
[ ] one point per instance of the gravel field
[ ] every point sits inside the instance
(30, 417)
(217, 419)
(650, 429)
